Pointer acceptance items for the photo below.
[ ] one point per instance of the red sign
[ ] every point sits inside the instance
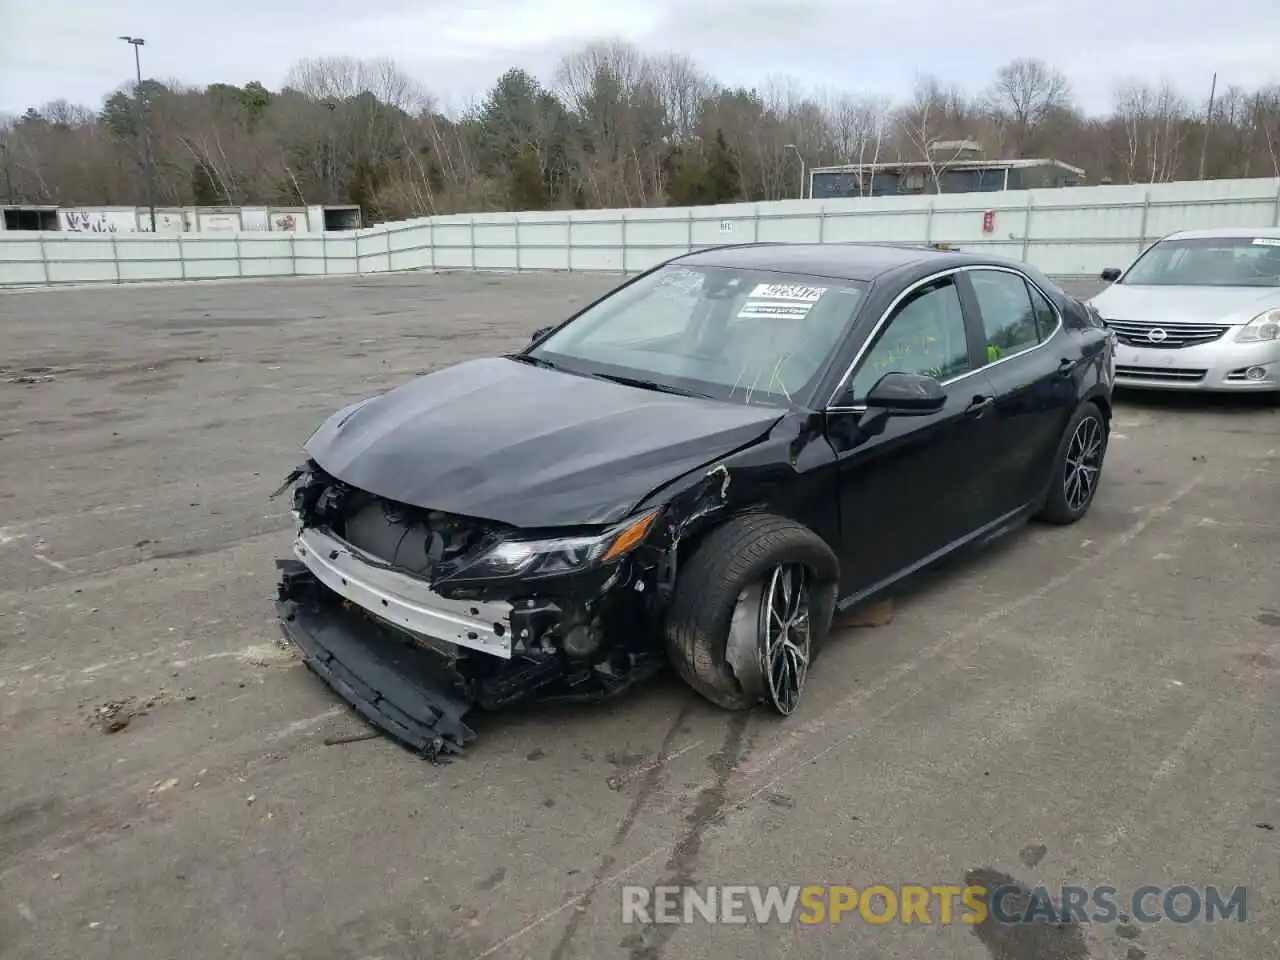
(989, 222)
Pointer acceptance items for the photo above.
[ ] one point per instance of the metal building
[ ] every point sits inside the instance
(940, 176)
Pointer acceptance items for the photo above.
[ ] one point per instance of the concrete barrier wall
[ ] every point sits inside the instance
(1066, 232)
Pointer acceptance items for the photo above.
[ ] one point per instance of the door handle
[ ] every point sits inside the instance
(979, 405)
(1066, 365)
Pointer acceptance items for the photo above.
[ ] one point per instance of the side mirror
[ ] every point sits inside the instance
(539, 334)
(906, 395)
(1111, 274)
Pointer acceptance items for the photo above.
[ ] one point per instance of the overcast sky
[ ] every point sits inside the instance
(51, 49)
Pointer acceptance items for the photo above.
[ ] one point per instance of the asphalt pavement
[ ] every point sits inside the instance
(1095, 705)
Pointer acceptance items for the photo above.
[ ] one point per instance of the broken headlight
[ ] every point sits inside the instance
(552, 556)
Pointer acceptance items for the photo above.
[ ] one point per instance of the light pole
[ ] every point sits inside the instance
(145, 117)
(800, 157)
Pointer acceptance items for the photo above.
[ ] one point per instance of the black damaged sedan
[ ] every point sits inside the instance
(698, 469)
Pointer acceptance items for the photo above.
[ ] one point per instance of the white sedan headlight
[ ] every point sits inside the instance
(1265, 326)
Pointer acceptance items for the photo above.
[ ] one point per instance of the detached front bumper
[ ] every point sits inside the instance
(415, 663)
(1222, 365)
(397, 687)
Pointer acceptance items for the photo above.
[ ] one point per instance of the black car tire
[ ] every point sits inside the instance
(729, 560)
(1057, 509)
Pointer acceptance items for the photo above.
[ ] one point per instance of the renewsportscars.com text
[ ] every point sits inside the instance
(941, 904)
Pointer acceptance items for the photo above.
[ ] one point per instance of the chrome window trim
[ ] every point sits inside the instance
(924, 282)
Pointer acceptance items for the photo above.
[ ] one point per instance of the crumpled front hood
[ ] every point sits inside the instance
(1226, 305)
(504, 441)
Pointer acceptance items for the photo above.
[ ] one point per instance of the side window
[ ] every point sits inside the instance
(925, 335)
(1008, 317)
(1046, 319)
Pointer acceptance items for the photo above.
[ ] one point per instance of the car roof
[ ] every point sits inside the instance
(836, 261)
(1267, 233)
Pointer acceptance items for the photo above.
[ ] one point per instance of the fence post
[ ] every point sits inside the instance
(516, 218)
(928, 222)
(568, 240)
(1275, 217)
(689, 228)
(755, 224)
(239, 256)
(388, 236)
(623, 221)
(44, 258)
(822, 223)
(472, 225)
(324, 250)
(1026, 227)
(293, 253)
(431, 242)
(1142, 230)
(115, 256)
(182, 259)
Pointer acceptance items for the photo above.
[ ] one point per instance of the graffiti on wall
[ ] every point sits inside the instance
(284, 221)
(168, 223)
(82, 221)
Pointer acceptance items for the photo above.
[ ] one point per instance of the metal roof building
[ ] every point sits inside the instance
(940, 176)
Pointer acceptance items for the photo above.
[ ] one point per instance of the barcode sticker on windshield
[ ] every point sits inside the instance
(783, 301)
(787, 291)
(775, 309)
(1267, 241)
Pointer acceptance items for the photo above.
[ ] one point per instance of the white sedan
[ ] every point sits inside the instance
(1198, 310)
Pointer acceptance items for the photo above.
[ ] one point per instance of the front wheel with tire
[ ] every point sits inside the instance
(1077, 468)
(751, 607)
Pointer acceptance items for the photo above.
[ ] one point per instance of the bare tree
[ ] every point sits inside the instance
(1154, 122)
(858, 126)
(344, 78)
(612, 90)
(1265, 121)
(682, 89)
(934, 117)
(1023, 96)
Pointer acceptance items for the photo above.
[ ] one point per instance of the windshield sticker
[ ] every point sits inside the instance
(686, 282)
(787, 291)
(782, 301)
(754, 309)
(1267, 242)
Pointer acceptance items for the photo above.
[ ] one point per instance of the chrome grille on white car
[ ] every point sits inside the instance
(1139, 333)
(1181, 374)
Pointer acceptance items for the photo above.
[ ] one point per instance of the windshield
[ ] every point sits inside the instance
(746, 336)
(1209, 262)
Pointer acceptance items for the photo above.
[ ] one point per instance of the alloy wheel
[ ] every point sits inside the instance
(1084, 464)
(785, 635)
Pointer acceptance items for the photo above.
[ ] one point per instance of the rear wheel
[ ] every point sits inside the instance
(751, 608)
(1078, 467)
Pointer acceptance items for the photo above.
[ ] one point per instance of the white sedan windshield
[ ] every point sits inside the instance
(742, 335)
(1209, 262)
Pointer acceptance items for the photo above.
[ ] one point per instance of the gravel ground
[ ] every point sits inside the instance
(1094, 705)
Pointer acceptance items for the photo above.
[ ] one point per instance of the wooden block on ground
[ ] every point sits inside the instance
(873, 615)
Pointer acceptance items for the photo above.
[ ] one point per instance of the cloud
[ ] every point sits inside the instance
(68, 48)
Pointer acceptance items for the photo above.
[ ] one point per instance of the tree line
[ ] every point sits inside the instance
(616, 127)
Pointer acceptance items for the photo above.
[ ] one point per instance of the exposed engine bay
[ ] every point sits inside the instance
(417, 616)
